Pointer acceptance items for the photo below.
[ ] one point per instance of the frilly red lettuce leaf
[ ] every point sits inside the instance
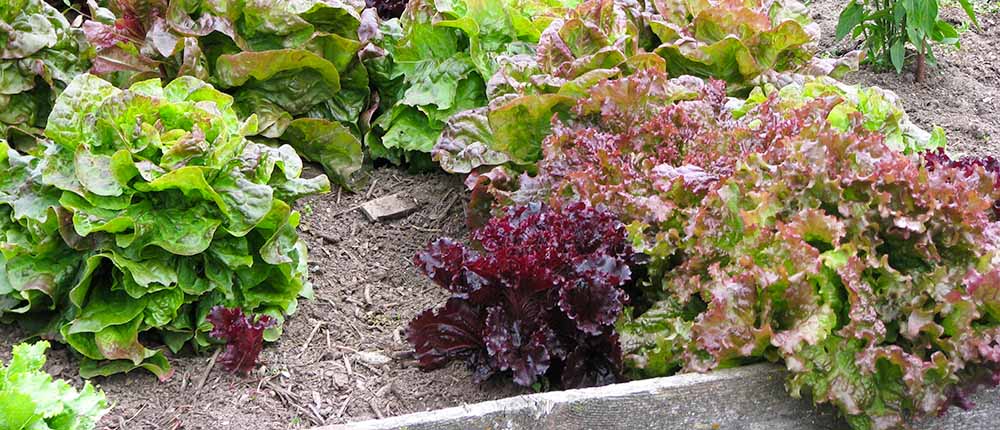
(537, 301)
(244, 337)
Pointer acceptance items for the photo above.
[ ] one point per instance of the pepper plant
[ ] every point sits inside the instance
(887, 26)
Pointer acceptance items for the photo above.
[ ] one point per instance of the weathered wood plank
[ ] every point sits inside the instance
(751, 398)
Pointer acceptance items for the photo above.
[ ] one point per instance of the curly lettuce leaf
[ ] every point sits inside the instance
(30, 398)
(40, 54)
(435, 61)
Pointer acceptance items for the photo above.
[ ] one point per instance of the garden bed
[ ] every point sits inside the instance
(328, 367)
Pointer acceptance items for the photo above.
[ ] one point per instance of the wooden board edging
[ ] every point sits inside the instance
(750, 397)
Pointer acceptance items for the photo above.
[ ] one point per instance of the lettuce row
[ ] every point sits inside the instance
(770, 43)
(39, 54)
(870, 276)
(146, 208)
(294, 64)
(788, 230)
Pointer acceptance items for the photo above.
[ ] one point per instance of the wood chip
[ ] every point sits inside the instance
(372, 358)
(389, 207)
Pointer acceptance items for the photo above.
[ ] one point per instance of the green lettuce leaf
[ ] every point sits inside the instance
(31, 399)
(435, 60)
(39, 54)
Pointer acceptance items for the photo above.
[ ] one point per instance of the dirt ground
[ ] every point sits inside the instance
(342, 357)
(961, 94)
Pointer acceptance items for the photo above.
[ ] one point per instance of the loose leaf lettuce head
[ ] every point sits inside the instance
(281, 60)
(156, 208)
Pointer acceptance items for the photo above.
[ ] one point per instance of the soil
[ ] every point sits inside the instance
(328, 367)
(961, 94)
(366, 289)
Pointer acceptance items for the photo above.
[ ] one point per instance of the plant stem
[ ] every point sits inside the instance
(922, 61)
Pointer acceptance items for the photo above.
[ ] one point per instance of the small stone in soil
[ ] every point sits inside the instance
(373, 358)
(389, 207)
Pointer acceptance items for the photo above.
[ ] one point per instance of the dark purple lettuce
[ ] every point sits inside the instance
(244, 337)
(388, 9)
(538, 301)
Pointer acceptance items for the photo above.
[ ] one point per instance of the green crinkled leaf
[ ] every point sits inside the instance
(295, 79)
(521, 124)
(328, 143)
(31, 399)
(39, 54)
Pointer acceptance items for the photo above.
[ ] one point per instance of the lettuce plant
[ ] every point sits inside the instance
(597, 40)
(738, 41)
(293, 64)
(434, 61)
(154, 208)
(537, 302)
(244, 337)
(30, 399)
(39, 54)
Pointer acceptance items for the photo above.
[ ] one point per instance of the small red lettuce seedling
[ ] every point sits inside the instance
(538, 301)
(244, 338)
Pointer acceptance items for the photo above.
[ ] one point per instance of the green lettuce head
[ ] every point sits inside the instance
(39, 54)
(169, 210)
(740, 42)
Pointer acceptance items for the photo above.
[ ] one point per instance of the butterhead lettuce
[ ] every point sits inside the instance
(157, 208)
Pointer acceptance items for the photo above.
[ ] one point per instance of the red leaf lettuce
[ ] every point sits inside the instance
(539, 300)
(244, 337)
